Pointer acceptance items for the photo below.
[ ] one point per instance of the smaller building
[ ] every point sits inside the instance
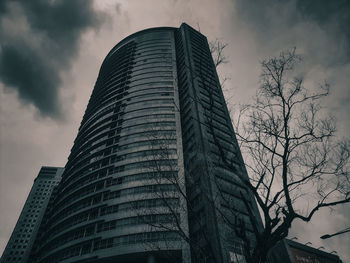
(289, 251)
(23, 236)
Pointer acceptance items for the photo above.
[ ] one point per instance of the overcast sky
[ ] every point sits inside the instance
(51, 51)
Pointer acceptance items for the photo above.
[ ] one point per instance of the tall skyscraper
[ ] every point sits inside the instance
(21, 241)
(144, 181)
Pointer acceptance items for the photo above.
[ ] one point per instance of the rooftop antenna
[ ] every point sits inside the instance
(199, 28)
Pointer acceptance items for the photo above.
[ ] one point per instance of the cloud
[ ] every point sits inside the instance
(319, 30)
(332, 16)
(40, 39)
(310, 25)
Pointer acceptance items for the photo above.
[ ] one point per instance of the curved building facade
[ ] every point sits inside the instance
(144, 127)
(115, 170)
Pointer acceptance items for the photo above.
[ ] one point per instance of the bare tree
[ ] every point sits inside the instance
(295, 162)
(201, 244)
(174, 203)
(217, 50)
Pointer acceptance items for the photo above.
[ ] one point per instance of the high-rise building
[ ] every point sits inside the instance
(21, 241)
(144, 181)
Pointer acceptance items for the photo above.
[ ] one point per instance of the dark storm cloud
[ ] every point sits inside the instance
(39, 40)
(330, 15)
(282, 23)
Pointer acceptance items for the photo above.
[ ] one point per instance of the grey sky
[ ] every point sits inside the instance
(51, 52)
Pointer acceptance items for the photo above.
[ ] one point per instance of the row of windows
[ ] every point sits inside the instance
(160, 91)
(70, 236)
(81, 180)
(117, 78)
(71, 221)
(140, 204)
(117, 66)
(90, 201)
(113, 242)
(100, 100)
(136, 220)
(89, 147)
(107, 131)
(141, 70)
(186, 107)
(113, 159)
(211, 103)
(154, 165)
(165, 59)
(154, 39)
(152, 47)
(141, 104)
(116, 52)
(95, 122)
(115, 95)
(152, 95)
(188, 139)
(158, 166)
(164, 39)
(105, 210)
(156, 153)
(160, 50)
(150, 64)
(231, 214)
(153, 153)
(120, 50)
(80, 193)
(149, 142)
(158, 56)
(145, 219)
(153, 140)
(145, 118)
(159, 188)
(89, 122)
(14, 259)
(152, 84)
(160, 73)
(116, 91)
(233, 201)
(150, 135)
(209, 94)
(136, 238)
(156, 53)
(228, 177)
(118, 83)
(146, 89)
(150, 79)
(151, 126)
(125, 54)
(140, 177)
(220, 135)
